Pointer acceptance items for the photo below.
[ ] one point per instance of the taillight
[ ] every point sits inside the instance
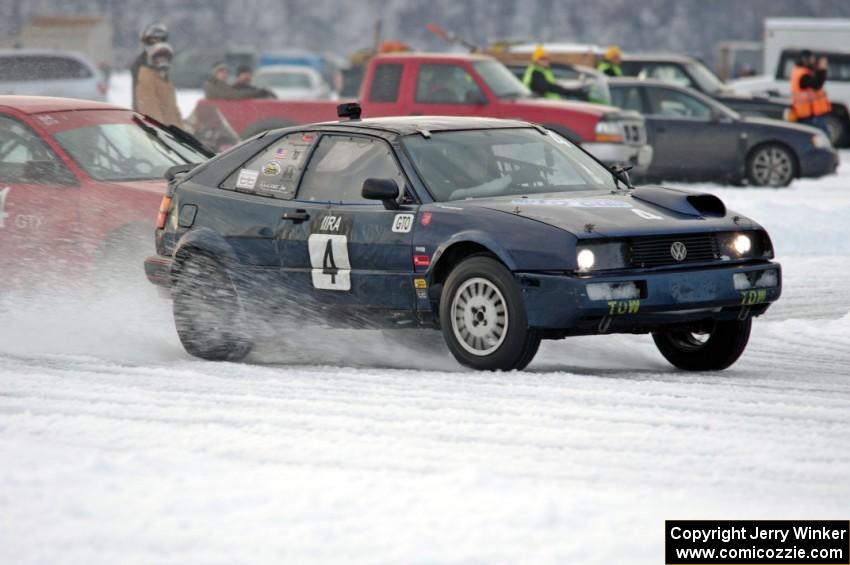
(164, 208)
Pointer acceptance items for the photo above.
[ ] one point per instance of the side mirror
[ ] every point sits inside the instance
(720, 117)
(385, 190)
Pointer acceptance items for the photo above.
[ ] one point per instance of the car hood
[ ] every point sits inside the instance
(645, 210)
(732, 95)
(555, 105)
(787, 126)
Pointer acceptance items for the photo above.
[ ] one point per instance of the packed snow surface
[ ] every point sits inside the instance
(117, 447)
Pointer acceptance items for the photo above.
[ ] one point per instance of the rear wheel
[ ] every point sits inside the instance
(836, 129)
(712, 350)
(771, 165)
(207, 313)
(483, 317)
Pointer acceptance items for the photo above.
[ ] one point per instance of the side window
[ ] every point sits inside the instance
(25, 158)
(385, 83)
(446, 84)
(340, 165)
(675, 104)
(275, 171)
(838, 68)
(627, 98)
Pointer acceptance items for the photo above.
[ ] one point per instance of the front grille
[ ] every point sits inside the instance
(656, 251)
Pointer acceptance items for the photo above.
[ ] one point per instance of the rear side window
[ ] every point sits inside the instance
(26, 159)
(341, 164)
(385, 83)
(276, 170)
(17, 68)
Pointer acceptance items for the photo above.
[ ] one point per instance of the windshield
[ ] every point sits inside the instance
(283, 80)
(123, 150)
(707, 80)
(458, 165)
(501, 81)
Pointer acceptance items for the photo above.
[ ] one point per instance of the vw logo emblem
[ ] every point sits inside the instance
(678, 251)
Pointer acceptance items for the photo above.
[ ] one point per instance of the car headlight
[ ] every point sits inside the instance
(821, 141)
(609, 132)
(742, 244)
(585, 259)
(601, 256)
(738, 245)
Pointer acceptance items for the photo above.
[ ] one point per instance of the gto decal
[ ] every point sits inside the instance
(756, 296)
(403, 223)
(620, 307)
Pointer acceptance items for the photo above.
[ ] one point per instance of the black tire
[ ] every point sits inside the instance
(207, 313)
(837, 130)
(718, 349)
(771, 164)
(481, 296)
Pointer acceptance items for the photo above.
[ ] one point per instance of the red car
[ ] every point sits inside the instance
(79, 179)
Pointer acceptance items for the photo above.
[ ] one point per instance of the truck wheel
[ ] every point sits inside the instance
(771, 165)
(837, 130)
(207, 311)
(711, 351)
(483, 318)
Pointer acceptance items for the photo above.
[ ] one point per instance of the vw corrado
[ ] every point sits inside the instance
(500, 233)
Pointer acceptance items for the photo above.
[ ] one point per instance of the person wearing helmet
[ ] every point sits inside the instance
(610, 65)
(540, 80)
(151, 35)
(155, 95)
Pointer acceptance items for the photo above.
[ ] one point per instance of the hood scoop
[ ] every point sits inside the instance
(683, 202)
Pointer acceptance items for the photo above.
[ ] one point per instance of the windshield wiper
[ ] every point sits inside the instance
(621, 174)
(178, 133)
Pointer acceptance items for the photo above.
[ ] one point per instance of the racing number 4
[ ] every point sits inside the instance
(331, 269)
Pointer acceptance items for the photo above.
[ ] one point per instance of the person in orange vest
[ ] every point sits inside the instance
(809, 102)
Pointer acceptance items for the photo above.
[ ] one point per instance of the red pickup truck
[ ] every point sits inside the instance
(445, 85)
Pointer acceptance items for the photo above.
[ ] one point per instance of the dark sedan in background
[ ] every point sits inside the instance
(692, 73)
(697, 138)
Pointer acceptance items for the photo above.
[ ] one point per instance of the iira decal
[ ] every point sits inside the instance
(620, 307)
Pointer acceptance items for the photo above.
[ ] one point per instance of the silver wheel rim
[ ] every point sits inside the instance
(479, 316)
(772, 167)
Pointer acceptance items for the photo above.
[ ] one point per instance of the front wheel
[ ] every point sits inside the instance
(712, 350)
(771, 165)
(207, 311)
(483, 317)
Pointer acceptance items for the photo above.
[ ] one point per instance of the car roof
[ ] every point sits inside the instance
(41, 104)
(33, 52)
(434, 56)
(407, 125)
(662, 57)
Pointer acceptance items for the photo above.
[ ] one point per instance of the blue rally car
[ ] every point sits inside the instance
(500, 233)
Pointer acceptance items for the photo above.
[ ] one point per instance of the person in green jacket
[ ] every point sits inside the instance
(540, 80)
(610, 65)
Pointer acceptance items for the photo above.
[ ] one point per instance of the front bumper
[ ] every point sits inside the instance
(668, 297)
(158, 270)
(818, 162)
(622, 155)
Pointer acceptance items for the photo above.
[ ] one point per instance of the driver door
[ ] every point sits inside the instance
(360, 252)
(38, 204)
